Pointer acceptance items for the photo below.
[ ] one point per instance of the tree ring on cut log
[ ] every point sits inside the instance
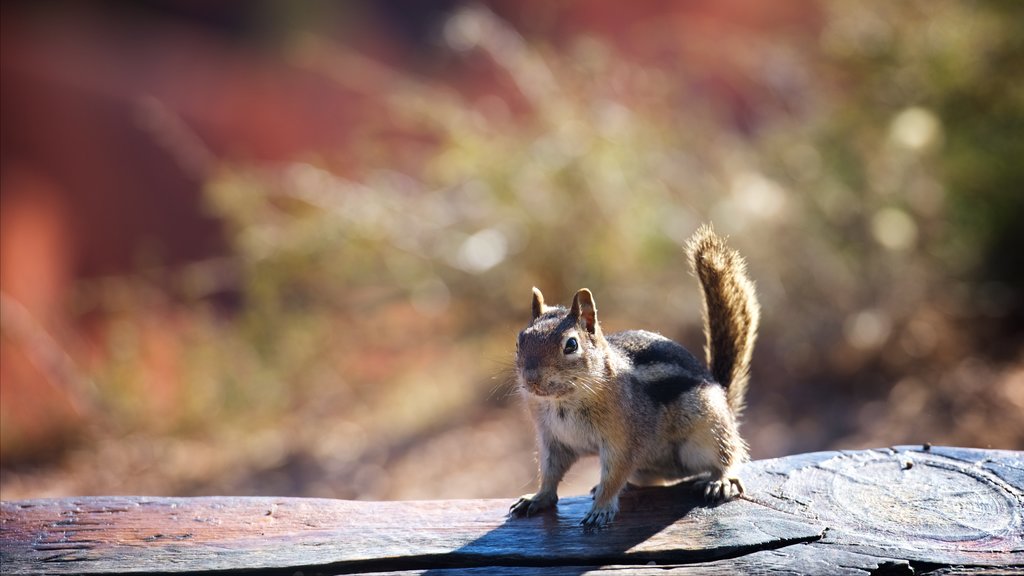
(938, 503)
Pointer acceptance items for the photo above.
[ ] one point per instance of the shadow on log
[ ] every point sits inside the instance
(906, 510)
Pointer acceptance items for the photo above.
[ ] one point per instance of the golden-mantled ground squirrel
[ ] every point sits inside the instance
(644, 404)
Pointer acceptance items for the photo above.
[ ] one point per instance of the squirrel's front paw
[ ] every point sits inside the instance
(533, 504)
(600, 516)
(721, 489)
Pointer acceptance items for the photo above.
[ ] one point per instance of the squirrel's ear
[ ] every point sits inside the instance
(538, 303)
(585, 310)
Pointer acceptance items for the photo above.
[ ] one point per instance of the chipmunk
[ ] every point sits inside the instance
(646, 406)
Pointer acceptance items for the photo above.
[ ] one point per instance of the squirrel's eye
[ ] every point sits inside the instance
(571, 345)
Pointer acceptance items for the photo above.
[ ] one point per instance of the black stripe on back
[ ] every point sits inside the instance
(646, 348)
(667, 390)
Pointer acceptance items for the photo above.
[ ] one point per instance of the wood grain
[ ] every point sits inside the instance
(892, 510)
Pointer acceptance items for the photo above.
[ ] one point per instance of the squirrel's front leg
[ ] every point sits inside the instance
(555, 460)
(616, 466)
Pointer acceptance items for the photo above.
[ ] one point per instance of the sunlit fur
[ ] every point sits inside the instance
(731, 311)
(648, 408)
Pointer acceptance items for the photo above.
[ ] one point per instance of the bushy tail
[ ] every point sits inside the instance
(731, 311)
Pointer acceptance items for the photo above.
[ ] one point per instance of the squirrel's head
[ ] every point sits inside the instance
(562, 351)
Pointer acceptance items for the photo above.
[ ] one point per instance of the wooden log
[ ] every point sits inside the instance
(899, 510)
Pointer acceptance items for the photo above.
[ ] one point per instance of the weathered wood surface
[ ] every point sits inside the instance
(903, 510)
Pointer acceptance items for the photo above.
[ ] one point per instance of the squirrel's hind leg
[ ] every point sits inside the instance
(717, 461)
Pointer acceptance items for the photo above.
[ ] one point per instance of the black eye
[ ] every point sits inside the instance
(571, 345)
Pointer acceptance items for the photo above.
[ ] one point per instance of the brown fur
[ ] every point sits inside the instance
(732, 330)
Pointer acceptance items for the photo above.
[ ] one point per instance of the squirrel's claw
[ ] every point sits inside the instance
(599, 516)
(520, 507)
(531, 504)
(721, 490)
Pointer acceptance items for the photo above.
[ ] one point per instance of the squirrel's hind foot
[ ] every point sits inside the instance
(720, 490)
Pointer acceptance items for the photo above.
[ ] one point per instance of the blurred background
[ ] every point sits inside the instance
(281, 248)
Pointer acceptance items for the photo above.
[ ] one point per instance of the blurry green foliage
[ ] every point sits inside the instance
(876, 200)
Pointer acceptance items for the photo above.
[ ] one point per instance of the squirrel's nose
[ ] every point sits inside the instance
(530, 375)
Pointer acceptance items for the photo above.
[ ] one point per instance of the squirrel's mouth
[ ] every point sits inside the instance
(548, 389)
(540, 391)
